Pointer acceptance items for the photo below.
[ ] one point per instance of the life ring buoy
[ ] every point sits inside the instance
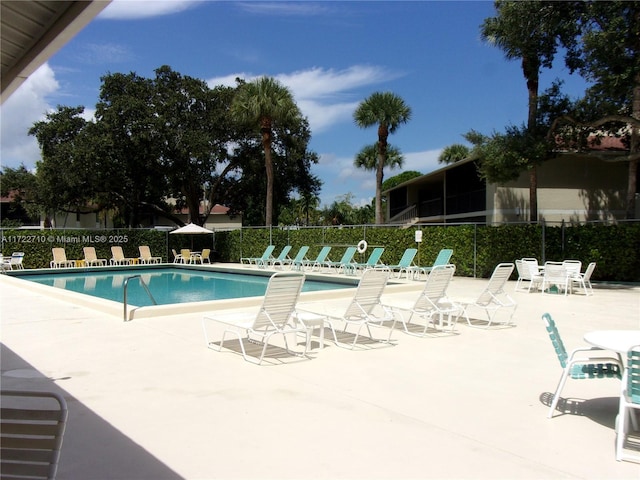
(362, 246)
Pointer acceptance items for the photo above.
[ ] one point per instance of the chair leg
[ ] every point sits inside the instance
(556, 396)
(622, 426)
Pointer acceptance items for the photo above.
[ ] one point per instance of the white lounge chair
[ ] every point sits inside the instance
(583, 280)
(145, 255)
(494, 297)
(555, 278)
(91, 258)
(275, 316)
(364, 310)
(528, 272)
(60, 259)
(432, 302)
(32, 426)
(16, 261)
(118, 258)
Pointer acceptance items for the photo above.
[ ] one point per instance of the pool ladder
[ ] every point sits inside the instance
(126, 284)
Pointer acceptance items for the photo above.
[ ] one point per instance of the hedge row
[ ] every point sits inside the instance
(477, 248)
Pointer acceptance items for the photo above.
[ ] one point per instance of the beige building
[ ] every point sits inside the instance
(571, 187)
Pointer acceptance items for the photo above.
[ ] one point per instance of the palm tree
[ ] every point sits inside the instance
(388, 111)
(530, 32)
(454, 153)
(263, 103)
(367, 159)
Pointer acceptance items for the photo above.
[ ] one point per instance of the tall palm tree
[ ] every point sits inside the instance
(388, 111)
(264, 103)
(367, 159)
(529, 32)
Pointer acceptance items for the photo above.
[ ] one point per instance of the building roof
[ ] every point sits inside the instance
(32, 31)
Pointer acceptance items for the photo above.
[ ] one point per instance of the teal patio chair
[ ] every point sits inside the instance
(442, 259)
(279, 260)
(297, 263)
(406, 262)
(265, 256)
(576, 366)
(373, 261)
(629, 401)
(345, 264)
(318, 263)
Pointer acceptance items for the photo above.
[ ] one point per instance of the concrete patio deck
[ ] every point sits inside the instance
(147, 400)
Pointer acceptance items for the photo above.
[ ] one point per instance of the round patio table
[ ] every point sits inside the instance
(615, 340)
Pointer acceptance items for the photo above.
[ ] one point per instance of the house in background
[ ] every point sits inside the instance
(572, 187)
(219, 219)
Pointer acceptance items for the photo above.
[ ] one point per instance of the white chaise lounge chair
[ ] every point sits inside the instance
(432, 302)
(494, 297)
(274, 317)
(364, 310)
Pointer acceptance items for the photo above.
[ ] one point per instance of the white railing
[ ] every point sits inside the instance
(408, 215)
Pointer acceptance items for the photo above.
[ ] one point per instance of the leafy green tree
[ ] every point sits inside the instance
(388, 111)
(265, 103)
(607, 53)
(454, 153)
(65, 178)
(396, 180)
(194, 134)
(530, 32)
(20, 186)
(127, 147)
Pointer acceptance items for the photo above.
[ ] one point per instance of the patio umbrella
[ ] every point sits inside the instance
(192, 229)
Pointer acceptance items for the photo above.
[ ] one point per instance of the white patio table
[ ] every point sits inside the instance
(615, 340)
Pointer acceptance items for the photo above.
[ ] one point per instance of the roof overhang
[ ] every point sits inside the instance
(32, 31)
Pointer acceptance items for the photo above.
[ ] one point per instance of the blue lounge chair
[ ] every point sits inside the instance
(346, 262)
(319, 261)
(298, 262)
(406, 262)
(373, 261)
(279, 260)
(265, 256)
(442, 259)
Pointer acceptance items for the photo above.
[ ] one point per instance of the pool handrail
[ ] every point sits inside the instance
(144, 285)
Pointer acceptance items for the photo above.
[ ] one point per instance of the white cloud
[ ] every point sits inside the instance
(98, 54)
(24, 107)
(325, 96)
(133, 9)
(283, 8)
(423, 162)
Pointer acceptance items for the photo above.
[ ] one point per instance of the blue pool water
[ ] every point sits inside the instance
(167, 285)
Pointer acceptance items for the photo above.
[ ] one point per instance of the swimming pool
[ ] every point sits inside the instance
(168, 285)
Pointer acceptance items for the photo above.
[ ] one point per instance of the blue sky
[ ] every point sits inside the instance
(331, 55)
